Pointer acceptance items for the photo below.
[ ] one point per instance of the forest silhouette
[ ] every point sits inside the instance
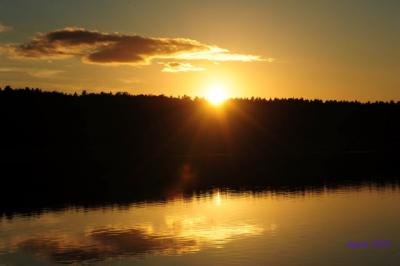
(68, 148)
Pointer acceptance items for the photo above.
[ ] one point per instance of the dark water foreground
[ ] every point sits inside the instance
(31, 187)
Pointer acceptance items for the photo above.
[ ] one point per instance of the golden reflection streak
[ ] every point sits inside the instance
(207, 232)
(217, 197)
(178, 232)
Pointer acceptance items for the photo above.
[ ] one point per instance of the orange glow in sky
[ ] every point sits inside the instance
(325, 55)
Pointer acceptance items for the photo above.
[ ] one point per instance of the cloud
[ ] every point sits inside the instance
(181, 236)
(218, 54)
(96, 47)
(43, 73)
(174, 67)
(37, 73)
(4, 28)
(105, 243)
(8, 69)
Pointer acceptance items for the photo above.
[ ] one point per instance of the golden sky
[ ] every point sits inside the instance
(312, 49)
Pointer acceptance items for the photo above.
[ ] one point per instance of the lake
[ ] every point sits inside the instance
(348, 225)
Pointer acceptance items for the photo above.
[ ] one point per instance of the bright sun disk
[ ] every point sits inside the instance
(216, 95)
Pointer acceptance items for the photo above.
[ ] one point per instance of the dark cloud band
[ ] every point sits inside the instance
(115, 48)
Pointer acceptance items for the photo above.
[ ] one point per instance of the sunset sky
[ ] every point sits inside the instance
(340, 49)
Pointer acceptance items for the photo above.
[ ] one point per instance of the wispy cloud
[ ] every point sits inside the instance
(218, 54)
(44, 73)
(115, 49)
(4, 28)
(7, 69)
(37, 73)
(174, 67)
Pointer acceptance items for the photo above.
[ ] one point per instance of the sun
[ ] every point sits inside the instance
(216, 94)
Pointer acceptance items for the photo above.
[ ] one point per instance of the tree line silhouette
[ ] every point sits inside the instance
(104, 145)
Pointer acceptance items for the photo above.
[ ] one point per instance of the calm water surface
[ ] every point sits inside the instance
(219, 228)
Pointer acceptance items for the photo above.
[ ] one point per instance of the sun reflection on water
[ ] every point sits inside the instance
(175, 228)
(242, 226)
(217, 198)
